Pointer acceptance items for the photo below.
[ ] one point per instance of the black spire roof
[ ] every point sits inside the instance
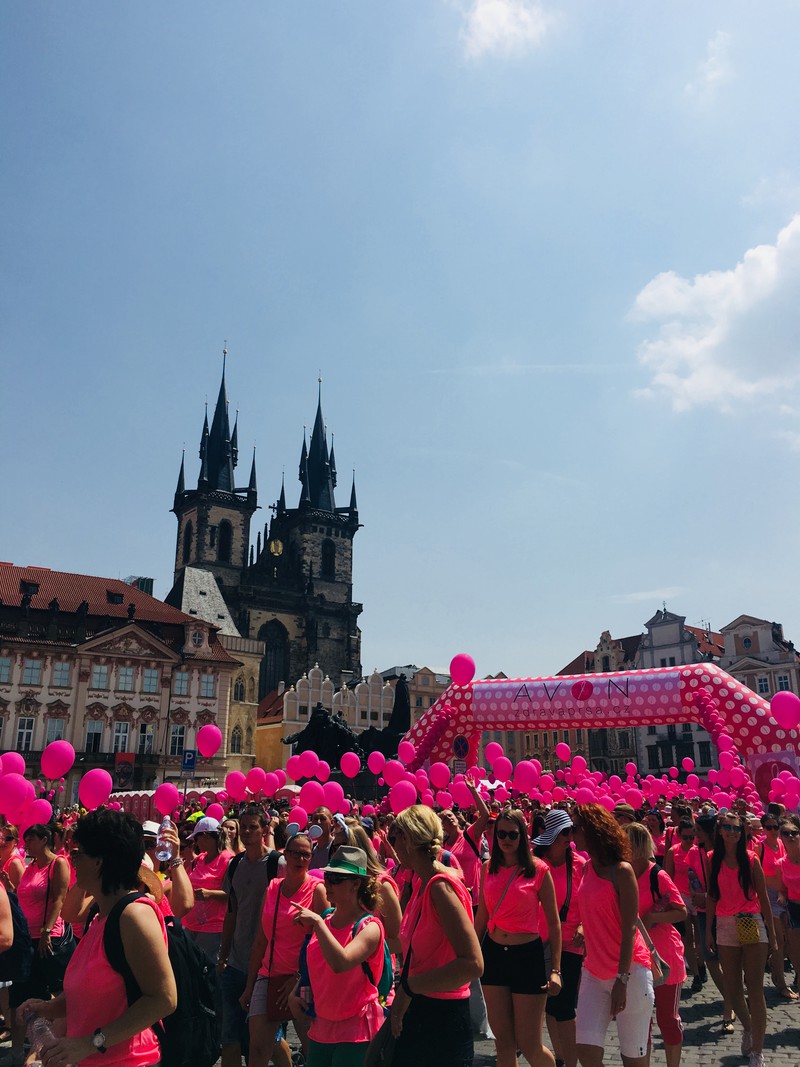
(317, 477)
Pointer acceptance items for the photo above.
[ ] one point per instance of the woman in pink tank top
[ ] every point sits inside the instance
(430, 1012)
(738, 901)
(387, 907)
(102, 1028)
(617, 982)
(770, 852)
(11, 864)
(789, 872)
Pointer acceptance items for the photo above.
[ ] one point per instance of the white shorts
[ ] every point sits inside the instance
(633, 1024)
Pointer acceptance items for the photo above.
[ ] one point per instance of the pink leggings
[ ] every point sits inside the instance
(668, 999)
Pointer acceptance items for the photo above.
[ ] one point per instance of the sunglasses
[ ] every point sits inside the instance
(304, 856)
(336, 879)
(9, 839)
(729, 828)
(512, 835)
(687, 837)
(790, 833)
(771, 826)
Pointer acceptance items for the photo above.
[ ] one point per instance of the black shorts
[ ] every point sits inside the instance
(563, 1007)
(436, 1033)
(793, 914)
(520, 968)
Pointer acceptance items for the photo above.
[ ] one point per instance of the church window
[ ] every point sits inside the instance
(417, 702)
(303, 709)
(238, 690)
(188, 538)
(236, 741)
(32, 672)
(55, 730)
(249, 739)
(763, 686)
(705, 753)
(328, 569)
(225, 542)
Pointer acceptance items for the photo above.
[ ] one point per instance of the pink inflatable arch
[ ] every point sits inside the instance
(452, 727)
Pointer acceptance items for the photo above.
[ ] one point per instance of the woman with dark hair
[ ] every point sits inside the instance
(789, 867)
(12, 866)
(101, 1026)
(738, 901)
(516, 979)
(771, 852)
(387, 906)
(699, 872)
(657, 828)
(430, 1012)
(676, 864)
(345, 963)
(617, 982)
(554, 847)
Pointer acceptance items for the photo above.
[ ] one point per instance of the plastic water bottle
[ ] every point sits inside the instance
(164, 847)
(39, 1034)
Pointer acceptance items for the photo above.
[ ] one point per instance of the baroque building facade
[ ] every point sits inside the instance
(292, 589)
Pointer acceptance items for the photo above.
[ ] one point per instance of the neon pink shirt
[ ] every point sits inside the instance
(660, 843)
(514, 909)
(430, 947)
(89, 969)
(207, 916)
(698, 862)
(470, 861)
(790, 872)
(289, 935)
(681, 876)
(32, 895)
(570, 925)
(770, 859)
(598, 906)
(664, 935)
(349, 991)
(732, 900)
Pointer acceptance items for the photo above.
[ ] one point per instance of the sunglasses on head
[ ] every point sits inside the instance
(790, 833)
(512, 835)
(336, 879)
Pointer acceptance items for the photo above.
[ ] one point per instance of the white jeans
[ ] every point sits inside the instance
(633, 1024)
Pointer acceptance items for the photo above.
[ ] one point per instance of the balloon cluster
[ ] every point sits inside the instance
(429, 742)
(732, 779)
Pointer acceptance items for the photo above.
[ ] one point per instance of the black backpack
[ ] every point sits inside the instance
(190, 1037)
(16, 961)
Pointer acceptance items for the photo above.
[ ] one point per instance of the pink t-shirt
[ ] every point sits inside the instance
(790, 872)
(470, 861)
(207, 916)
(32, 894)
(289, 935)
(570, 924)
(659, 843)
(421, 933)
(681, 876)
(89, 969)
(732, 900)
(349, 991)
(512, 899)
(598, 906)
(664, 935)
(770, 859)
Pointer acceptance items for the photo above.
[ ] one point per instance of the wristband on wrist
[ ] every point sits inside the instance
(175, 863)
(554, 971)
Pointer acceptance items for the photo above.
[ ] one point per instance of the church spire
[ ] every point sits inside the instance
(235, 440)
(282, 497)
(319, 481)
(219, 452)
(251, 485)
(305, 496)
(353, 502)
(181, 486)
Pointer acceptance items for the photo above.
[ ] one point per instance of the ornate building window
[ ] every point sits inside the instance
(236, 741)
(208, 686)
(225, 542)
(55, 730)
(251, 689)
(125, 678)
(328, 563)
(188, 538)
(100, 676)
(94, 735)
(121, 736)
(5, 669)
(32, 672)
(176, 738)
(180, 683)
(146, 738)
(150, 680)
(61, 674)
(24, 734)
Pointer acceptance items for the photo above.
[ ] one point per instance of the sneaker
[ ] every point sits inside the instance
(757, 1059)
(697, 984)
(747, 1042)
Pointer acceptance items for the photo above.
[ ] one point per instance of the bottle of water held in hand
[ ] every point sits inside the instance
(38, 1035)
(163, 846)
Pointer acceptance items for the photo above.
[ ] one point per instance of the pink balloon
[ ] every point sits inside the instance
(687, 763)
(406, 751)
(426, 798)
(462, 668)
(280, 774)
(461, 795)
(166, 798)
(578, 764)
(502, 768)
(692, 781)
(493, 751)
(236, 785)
(215, 811)
(270, 786)
(94, 788)
(439, 775)
(444, 799)
(375, 762)
(334, 795)
(525, 776)
(563, 751)
(725, 743)
(393, 771)
(293, 768)
(738, 777)
(584, 795)
(726, 760)
(368, 809)
(673, 772)
(401, 796)
(323, 771)
(57, 759)
(631, 769)
(785, 709)
(309, 762)
(209, 739)
(255, 779)
(39, 811)
(634, 798)
(312, 796)
(607, 802)
(350, 764)
(12, 763)
(15, 792)
(502, 794)
(298, 815)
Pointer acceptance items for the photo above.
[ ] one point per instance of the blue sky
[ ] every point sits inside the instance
(546, 258)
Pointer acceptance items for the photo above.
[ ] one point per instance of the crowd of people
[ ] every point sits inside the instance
(412, 932)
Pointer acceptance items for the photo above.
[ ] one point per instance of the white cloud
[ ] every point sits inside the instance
(714, 70)
(503, 27)
(728, 336)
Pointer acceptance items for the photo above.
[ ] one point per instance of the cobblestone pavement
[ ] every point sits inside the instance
(704, 1043)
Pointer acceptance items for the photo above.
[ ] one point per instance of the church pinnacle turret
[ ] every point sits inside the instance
(319, 480)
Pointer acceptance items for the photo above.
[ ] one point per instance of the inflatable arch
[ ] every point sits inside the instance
(698, 692)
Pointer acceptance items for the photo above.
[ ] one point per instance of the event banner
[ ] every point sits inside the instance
(569, 701)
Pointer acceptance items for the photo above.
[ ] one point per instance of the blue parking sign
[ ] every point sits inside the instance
(189, 761)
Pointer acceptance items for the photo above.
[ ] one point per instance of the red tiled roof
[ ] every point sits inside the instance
(71, 589)
(708, 643)
(270, 709)
(582, 663)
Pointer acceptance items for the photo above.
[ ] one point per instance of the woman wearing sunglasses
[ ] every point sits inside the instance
(737, 899)
(12, 866)
(276, 952)
(204, 921)
(789, 867)
(345, 962)
(516, 979)
(554, 847)
(770, 852)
